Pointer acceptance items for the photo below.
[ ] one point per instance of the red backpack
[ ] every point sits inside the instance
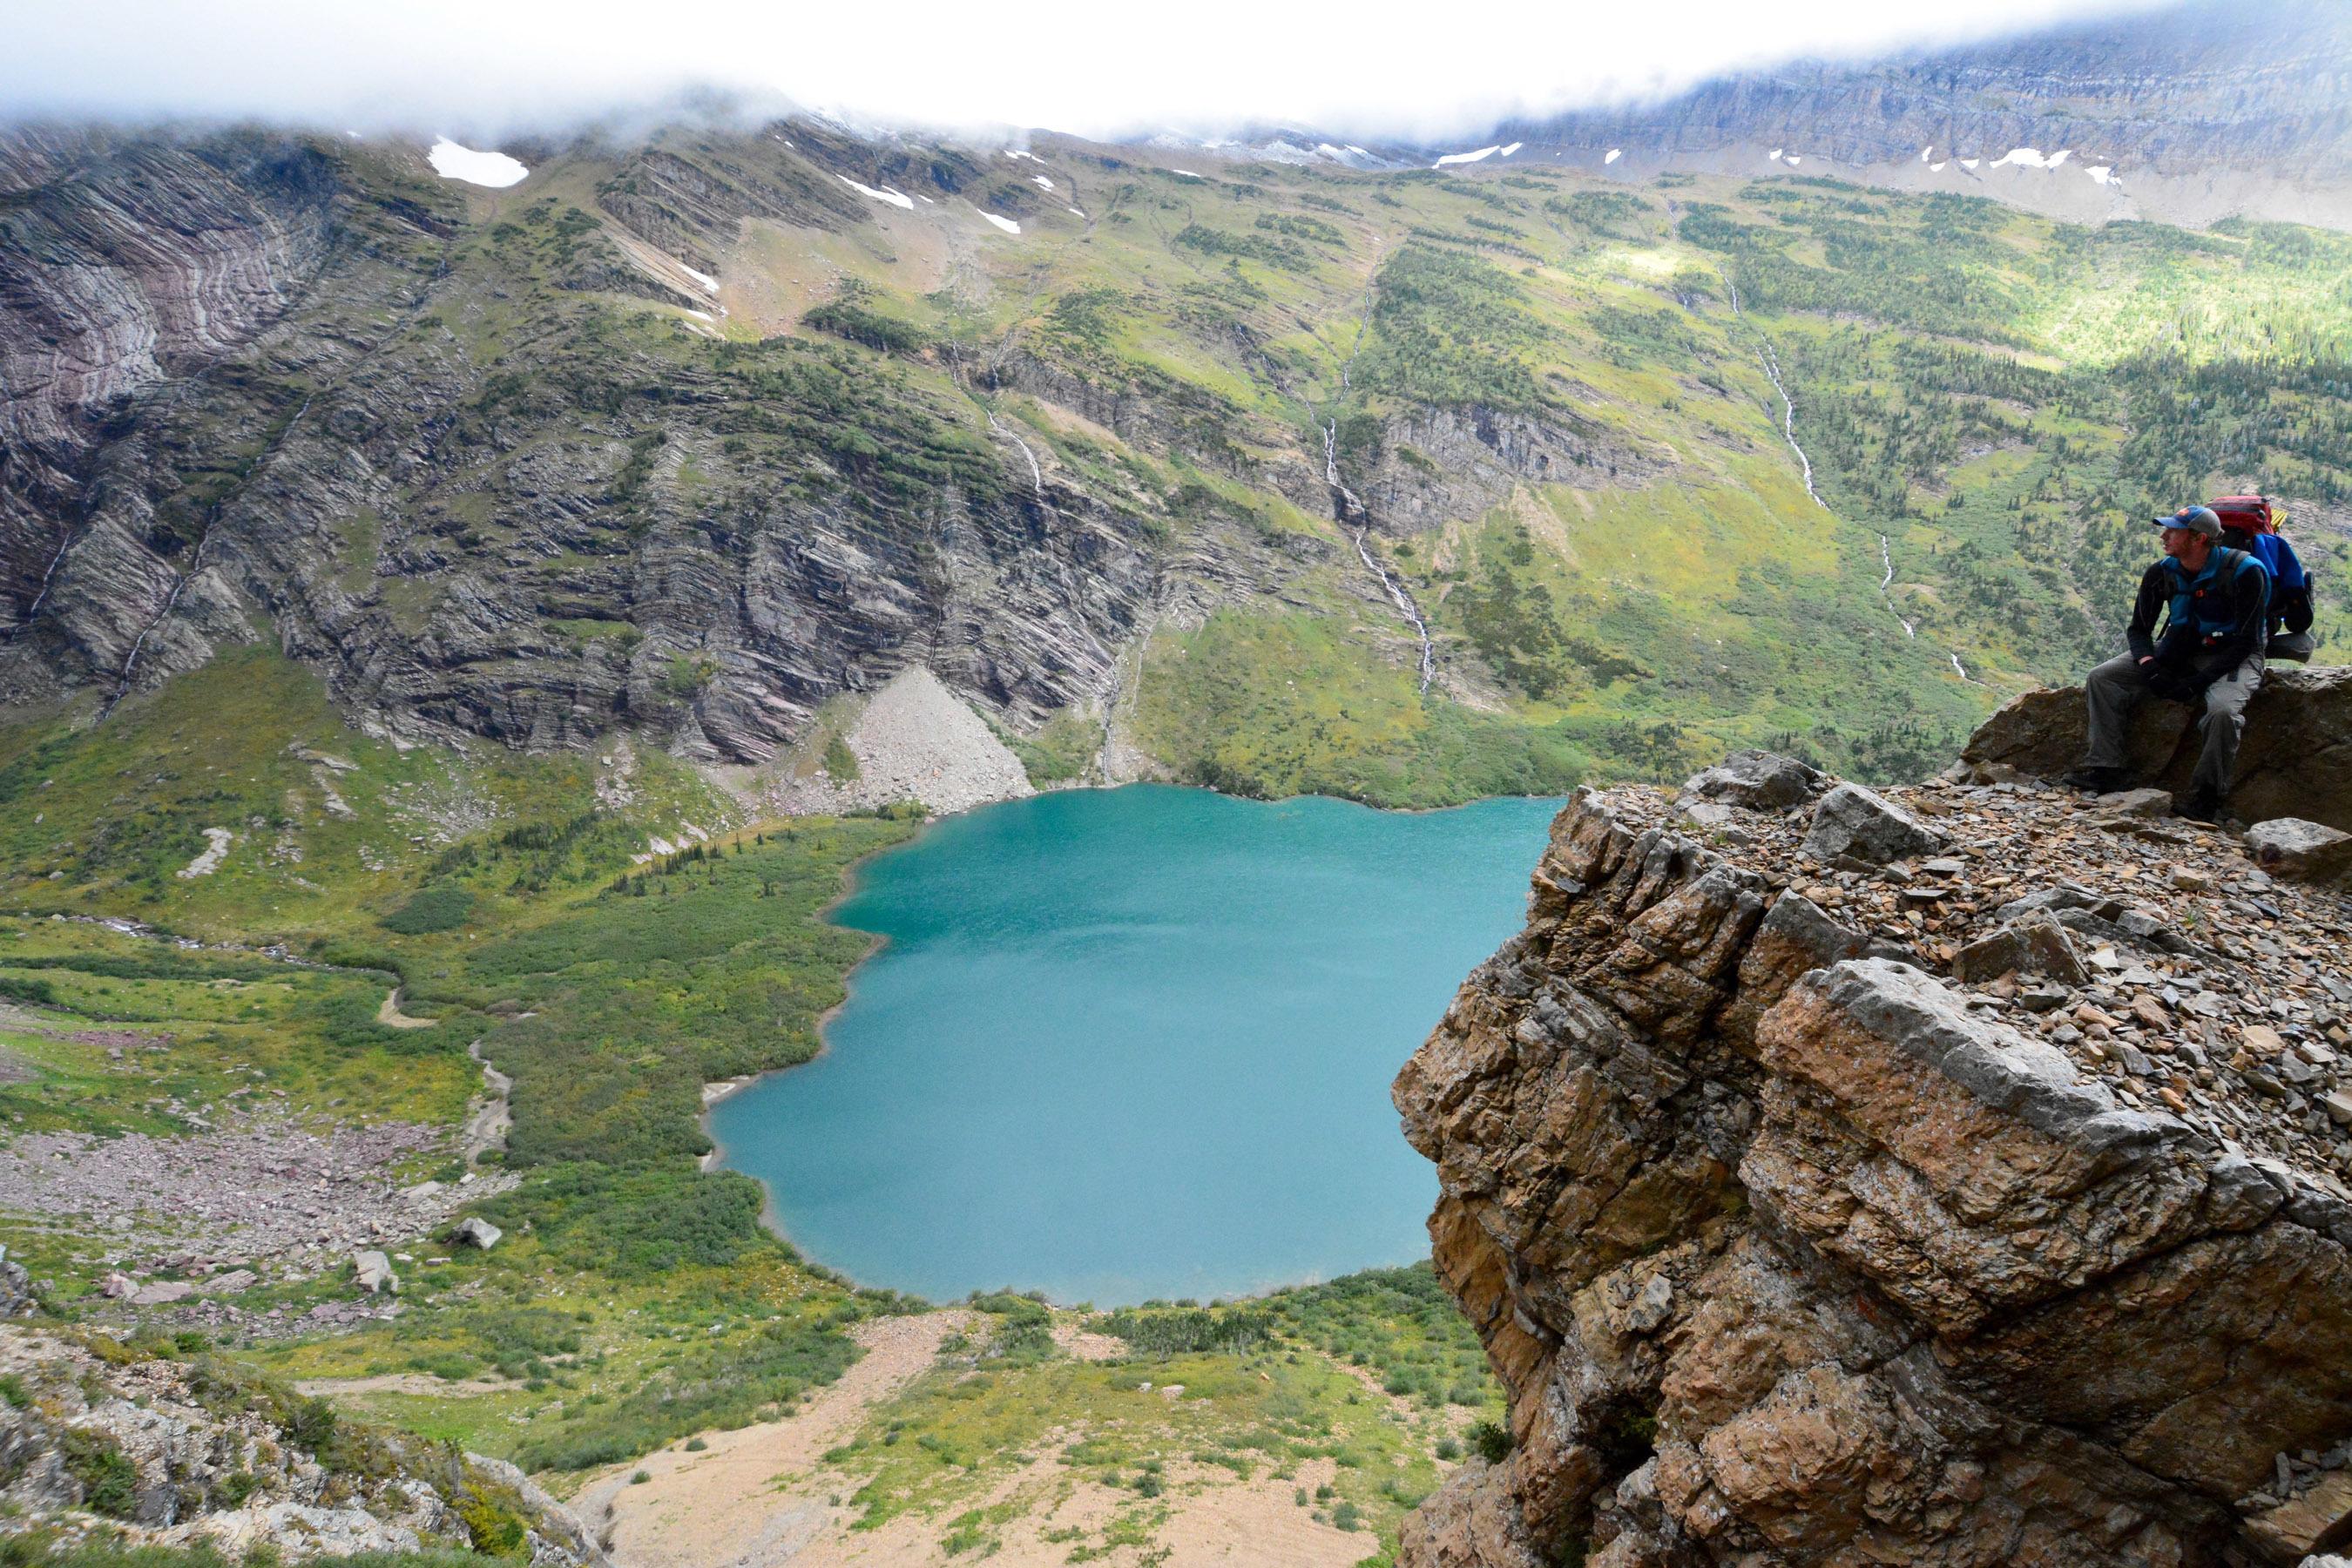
(2247, 514)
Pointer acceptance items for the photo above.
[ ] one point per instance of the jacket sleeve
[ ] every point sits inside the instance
(2155, 594)
(2291, 594)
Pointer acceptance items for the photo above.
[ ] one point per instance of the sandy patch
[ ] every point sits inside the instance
(747, 1498)
(1208, 1517)
(1080, 1345)
(400, 1383)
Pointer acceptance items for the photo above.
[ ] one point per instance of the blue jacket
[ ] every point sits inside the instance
(2215, 617)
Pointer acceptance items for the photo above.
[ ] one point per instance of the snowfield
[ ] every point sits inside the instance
(884, 195)
(496, 169)
(1006, 223)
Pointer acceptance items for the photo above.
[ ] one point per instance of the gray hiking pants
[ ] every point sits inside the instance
(2112, 690)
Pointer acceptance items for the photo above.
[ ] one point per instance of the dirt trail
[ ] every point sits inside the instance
(723, 1506)
(390, 1014)
(487, 1128)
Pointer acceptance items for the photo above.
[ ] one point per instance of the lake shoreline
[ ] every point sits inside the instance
(856, 877)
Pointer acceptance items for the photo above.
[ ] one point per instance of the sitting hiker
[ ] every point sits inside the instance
(2248, 524)
(2216, 602)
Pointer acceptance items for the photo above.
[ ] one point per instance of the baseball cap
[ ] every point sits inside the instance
(2195, 519)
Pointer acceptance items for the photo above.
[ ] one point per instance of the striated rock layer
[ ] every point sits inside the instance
(1790, 1249)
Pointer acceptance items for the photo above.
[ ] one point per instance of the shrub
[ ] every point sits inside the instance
(108, 1480)
(1491, 1441)
(441, 906)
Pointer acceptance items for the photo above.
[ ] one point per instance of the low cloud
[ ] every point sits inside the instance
(490, 70)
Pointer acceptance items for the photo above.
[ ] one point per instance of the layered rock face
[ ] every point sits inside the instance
(283, 387)
(1790, 1247)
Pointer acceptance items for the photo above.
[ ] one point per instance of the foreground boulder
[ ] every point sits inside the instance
(1758, 781)
(2289, 846)
(1791, 1248)
(1853, 826)
(2294, 761)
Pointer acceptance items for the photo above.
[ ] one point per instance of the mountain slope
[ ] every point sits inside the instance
(1159, 469)
(2191, 113)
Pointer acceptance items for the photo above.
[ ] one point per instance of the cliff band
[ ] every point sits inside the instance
(1791, 1245)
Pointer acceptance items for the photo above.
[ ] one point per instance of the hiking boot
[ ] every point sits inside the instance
(2204, 805)
(2097, 781)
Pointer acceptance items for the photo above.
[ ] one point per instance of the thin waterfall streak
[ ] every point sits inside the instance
(1395, 590)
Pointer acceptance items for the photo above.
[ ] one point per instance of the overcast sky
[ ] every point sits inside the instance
(485, 69)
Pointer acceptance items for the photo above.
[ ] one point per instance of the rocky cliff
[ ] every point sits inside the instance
(1955, 1176)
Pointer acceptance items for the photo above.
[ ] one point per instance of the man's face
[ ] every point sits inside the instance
(2183, 544)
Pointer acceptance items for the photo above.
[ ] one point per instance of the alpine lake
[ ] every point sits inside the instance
(1134, 1044)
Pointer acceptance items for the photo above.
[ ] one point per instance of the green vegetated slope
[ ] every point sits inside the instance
(635, 1299)
(518, 913)
(699, 517)
(1553, 395)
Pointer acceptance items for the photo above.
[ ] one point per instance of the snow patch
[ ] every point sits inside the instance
(2103, 174)
(1074, 212)
(1774, 155)
(1614, 154)
(1042, 180)
(1017, 152)
(1186, 172)
(1969, 163)
(1938, 168)
(1482, 153)
(1006, 223)
(1926, 152)
(884, 195)
(495, 170)
(710, 284)
(1513, 148)
(1793, 160)
(2032, 158)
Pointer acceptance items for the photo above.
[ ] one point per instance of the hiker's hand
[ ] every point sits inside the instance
(2147, 658)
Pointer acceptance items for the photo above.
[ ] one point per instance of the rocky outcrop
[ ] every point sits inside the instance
(189, 1453)
(2294, 761)
(1433, 464)
(1790, 1246)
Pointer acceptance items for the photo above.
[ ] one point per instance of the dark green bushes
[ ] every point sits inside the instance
(441, 906)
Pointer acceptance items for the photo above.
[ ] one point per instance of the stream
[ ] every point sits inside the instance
(1771, 360)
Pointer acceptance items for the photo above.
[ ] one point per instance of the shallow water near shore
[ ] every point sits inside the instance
(1134, 1043)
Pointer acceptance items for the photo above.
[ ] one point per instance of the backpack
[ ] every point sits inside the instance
(2291, 612)
(2247, 514)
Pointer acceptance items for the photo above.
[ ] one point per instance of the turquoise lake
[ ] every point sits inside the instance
(1134, 1043)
